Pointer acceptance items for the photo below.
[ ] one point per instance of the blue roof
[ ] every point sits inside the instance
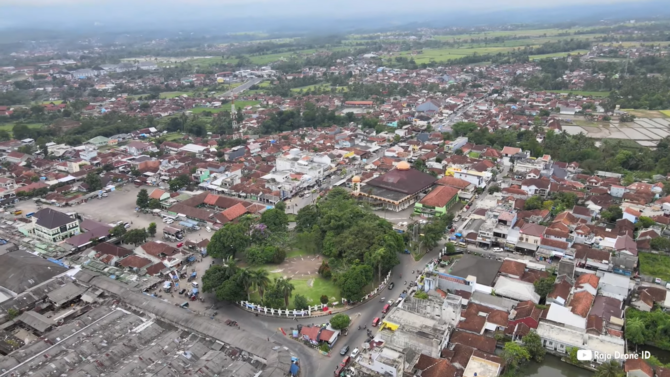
(294, 369)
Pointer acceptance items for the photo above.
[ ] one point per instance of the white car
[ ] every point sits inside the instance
(355, 352)
(497, 249)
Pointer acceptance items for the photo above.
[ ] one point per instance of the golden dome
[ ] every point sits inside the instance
(356, 179)
(403, 165)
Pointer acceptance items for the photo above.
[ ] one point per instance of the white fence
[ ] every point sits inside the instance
(312, 310)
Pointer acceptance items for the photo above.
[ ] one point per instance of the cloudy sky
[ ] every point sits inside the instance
(38, 11)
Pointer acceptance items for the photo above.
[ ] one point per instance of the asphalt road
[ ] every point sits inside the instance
(243, 87)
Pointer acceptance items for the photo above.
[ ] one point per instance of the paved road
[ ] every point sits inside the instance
(243, 87)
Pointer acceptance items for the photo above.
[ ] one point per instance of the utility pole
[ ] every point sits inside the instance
(232, 113)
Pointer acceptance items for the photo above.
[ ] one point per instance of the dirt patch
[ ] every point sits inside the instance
(301, 266)
(63, 125)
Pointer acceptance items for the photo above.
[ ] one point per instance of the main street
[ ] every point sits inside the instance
(243, 87)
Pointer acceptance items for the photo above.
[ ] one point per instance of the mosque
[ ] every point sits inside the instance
(396, 190)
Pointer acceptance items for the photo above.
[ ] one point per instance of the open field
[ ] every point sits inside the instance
(10, 126)
(515, 33)
(581, 93)
(54, 102)
(326, 87)
(648, 113)
(656, 265)
(224, 107)
(558, 54)
(174, 94)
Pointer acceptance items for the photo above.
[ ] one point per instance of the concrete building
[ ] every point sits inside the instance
(54, 226)
(559, 340)
(402, 329)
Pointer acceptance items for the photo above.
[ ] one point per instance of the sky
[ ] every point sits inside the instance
(64, 12)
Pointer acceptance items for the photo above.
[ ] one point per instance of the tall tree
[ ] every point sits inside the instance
(228, 241)
(275, 220)
(152, 229)
(214, 277)
(136, 237)
(609, 369)
(142, 199)
(261, 280)
(245, 279)
(285, 287)
(544, 286)
(635, 330)
(93, 181)
(533, 343)
(118, 231)
(514, 354)
(340, 321)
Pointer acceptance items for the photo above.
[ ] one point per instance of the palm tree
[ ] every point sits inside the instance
(285, 287)
(261, 280)
(609, 369)
(245, 278)
(230, 267)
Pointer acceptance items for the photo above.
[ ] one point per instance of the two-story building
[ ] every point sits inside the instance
(54, 226)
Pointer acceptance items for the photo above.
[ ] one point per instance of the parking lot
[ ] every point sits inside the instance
(119, 206)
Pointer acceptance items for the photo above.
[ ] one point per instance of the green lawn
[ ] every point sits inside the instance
(581, 93)
(655, 265)
(54, 102)
(558, 54)
(320, 286)
(10, 126)
(665, 112)
(173, 136)
(514, 33)
(224, 107)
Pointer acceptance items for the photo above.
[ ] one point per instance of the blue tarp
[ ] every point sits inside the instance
(57, 262)
(194, 274)
(195, 291)
(459, 235)
(295, 369)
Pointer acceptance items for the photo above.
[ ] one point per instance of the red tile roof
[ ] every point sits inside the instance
(440, 196)
(581, 303)
(513, 268)
(234, 212)
(638, 365)
(480, 342)
(589, 279)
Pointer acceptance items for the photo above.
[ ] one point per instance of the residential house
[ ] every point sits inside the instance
(437, 202)
(539, 187)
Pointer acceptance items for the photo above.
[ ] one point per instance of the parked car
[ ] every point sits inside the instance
(355, 352)
(182, 291)
(391, 286)
(344, 350)
(497, 249)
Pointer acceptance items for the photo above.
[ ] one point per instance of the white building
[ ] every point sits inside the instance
(560, 339)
